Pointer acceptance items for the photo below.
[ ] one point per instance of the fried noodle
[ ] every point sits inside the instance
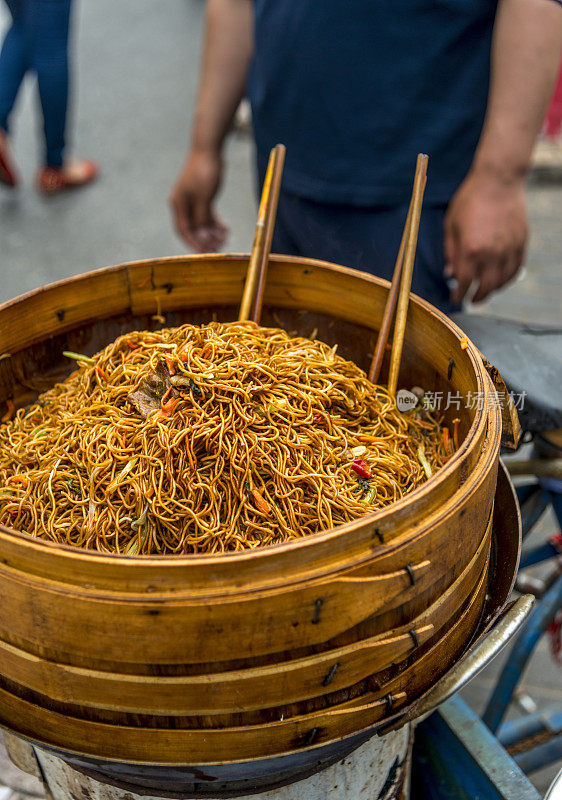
(208, 439)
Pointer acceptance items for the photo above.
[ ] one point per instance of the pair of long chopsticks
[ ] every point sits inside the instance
(250, 307)
(399, 294)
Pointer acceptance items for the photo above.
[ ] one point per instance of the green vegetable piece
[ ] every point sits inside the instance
(371, 495)
(78, 357)
(424, 462)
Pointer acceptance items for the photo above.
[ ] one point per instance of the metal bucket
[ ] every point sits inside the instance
(378, 768)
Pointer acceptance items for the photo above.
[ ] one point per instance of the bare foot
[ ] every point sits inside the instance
(71, 175)
(8, 173)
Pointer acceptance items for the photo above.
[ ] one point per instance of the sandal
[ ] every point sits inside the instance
(51, 180)
(8, 174)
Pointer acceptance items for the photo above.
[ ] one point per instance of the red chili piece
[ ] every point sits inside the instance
(361, 468)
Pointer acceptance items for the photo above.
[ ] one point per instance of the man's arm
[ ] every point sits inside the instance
(486, 223)
(227, 53)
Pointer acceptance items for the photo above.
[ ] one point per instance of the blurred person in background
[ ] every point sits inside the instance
(37, 41)
(355, 91)
(548, 150)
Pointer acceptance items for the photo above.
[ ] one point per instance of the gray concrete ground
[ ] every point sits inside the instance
(135, 86)
(136, 79)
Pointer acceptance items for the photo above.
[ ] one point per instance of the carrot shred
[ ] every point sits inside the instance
(425, 425)
(207, 351)
(366, 438)
(165, 397)
(170, 364)
(464, 343)
(149, 492)
(168, 408)
(447, 443)
(101, 373)
(190, 458)
(10, 405)
(456, 422)
(261, 504)
(18, 479)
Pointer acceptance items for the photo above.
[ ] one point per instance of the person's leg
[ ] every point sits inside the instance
(367, 239)
(47, 23)
(13, 66)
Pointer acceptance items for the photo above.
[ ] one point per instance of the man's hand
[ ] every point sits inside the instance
(486, 224)
(192, 202)
(486, 233)
(227, 52)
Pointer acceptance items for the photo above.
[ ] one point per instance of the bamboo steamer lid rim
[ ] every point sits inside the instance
(469, 351)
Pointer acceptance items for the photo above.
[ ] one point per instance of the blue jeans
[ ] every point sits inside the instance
(38, 40)
(364, 238)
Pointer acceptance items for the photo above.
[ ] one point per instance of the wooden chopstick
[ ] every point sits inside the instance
(250, 307)
(271, 216)
(390, 306)
(407, 270)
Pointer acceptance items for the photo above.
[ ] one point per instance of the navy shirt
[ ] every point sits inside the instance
(357, 88)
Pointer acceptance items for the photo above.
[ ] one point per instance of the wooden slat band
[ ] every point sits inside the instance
(422, 672)
(199, 746)
(183, 631)
(240, 690)
(206, 694)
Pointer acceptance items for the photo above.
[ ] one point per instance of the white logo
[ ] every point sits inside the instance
(405, 400)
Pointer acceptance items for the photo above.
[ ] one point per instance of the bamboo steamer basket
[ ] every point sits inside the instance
(497, 625)
(286, 681)
(115, 646)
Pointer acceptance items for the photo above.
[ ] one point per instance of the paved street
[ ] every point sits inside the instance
(136, 78)
(137, 72)
(137, 69)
